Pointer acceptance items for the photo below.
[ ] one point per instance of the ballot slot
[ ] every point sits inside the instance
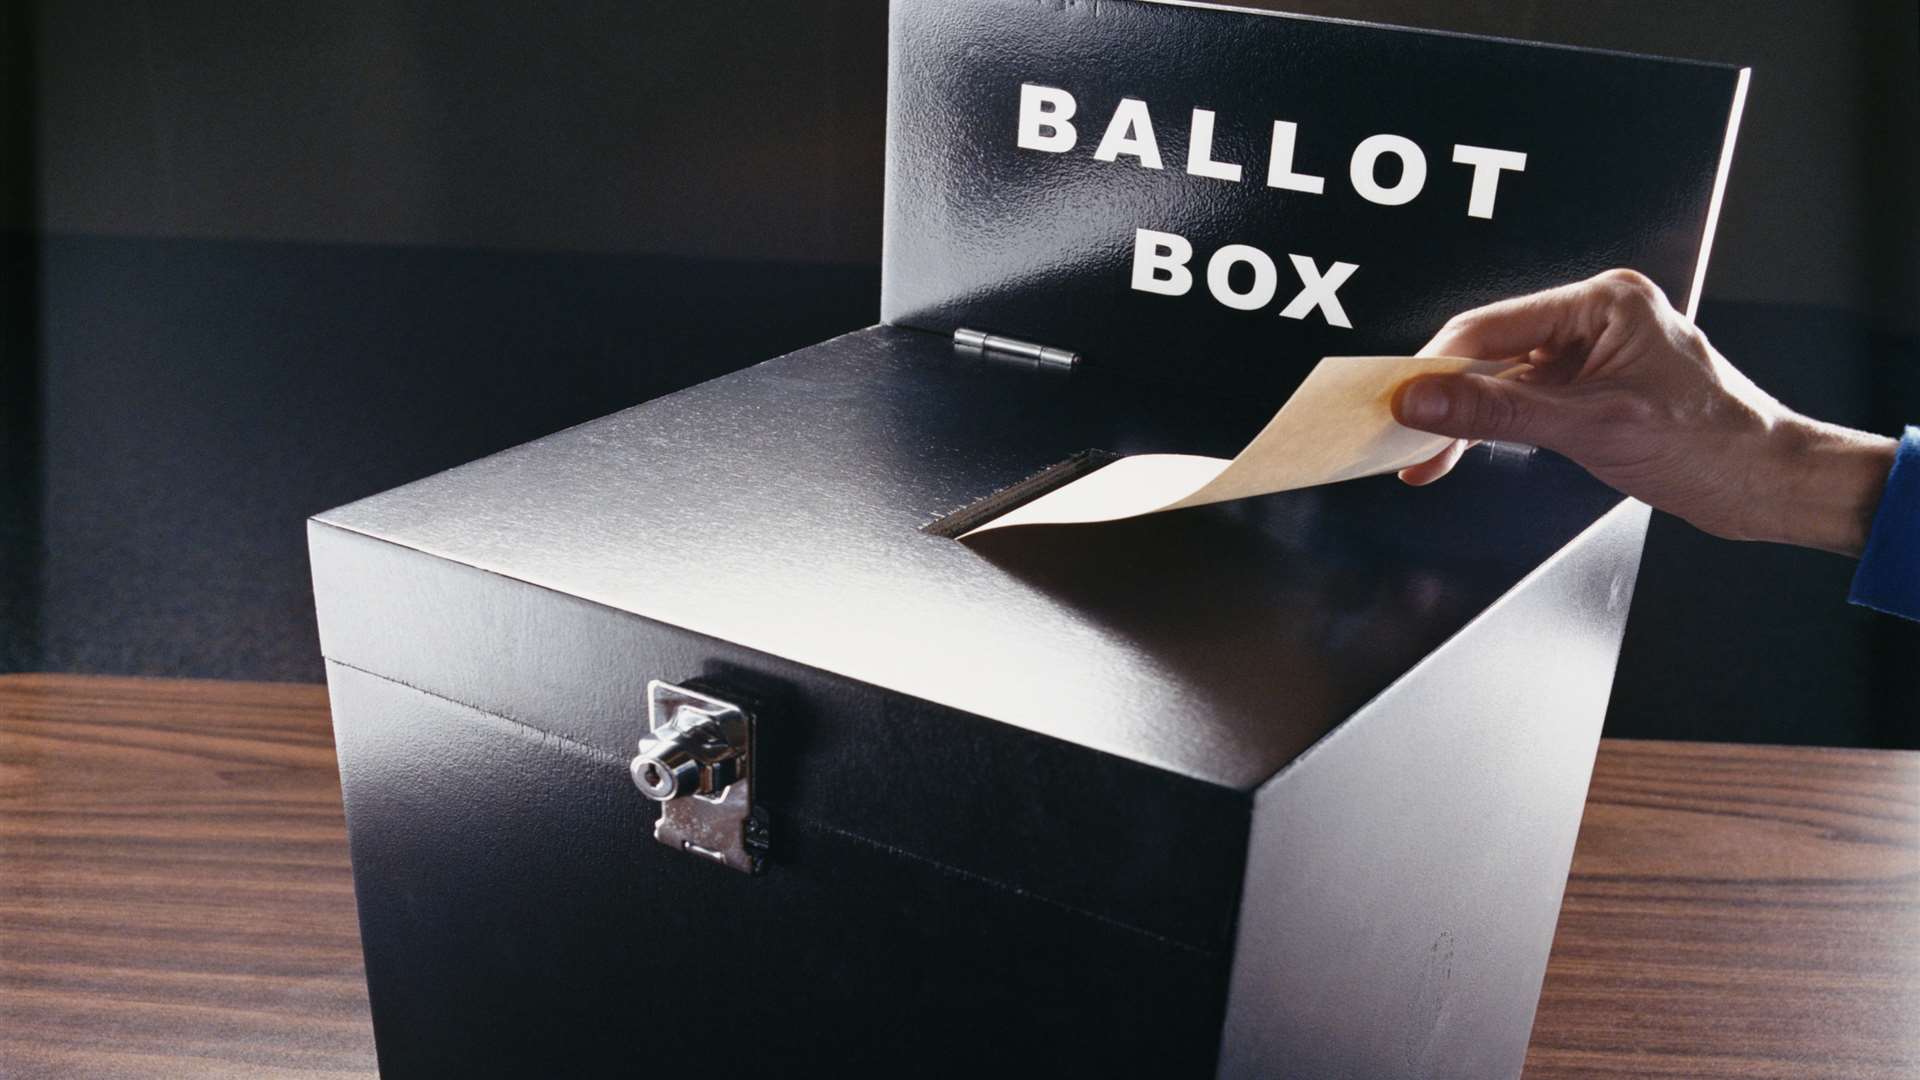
(977, 513)
(1337, 425)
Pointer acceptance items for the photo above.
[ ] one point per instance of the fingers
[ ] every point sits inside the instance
(1531, 327)
(1478, 407)
(1436, 466)
(1557, 334)
(1516, 327)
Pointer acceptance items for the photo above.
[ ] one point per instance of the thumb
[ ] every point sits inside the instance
(1475, 407)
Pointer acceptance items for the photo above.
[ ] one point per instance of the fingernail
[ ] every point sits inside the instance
(1423, 405)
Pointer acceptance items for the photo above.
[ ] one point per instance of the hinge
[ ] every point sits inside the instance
(1006, 348)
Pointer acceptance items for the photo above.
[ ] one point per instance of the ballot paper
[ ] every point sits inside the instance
(1337, 426)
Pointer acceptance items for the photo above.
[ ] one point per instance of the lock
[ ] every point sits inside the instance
(696, 761)
(695, 744)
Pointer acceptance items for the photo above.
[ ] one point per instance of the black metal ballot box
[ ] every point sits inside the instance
(689, 741)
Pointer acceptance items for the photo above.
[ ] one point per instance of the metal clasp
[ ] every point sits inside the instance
(696, 761)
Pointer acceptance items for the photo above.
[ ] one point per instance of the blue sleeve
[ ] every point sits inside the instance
(1889, 576)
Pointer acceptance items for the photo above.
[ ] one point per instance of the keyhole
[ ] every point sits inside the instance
(653, 775)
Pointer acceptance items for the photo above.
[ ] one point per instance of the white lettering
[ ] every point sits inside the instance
(1280, 172)
(1130, 132)
(1045, 123)
(1044, 112)
(1265, 278)
(1200, 150)
(1487, 164)
(1160, 263)
(1317, 291)
(1413, 169)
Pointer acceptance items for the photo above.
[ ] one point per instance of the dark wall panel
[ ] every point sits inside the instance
(204, 397)
(726, 128)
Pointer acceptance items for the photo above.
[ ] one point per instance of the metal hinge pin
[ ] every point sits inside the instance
(995, 345)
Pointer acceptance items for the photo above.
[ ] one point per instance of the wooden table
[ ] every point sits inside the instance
(175, 899)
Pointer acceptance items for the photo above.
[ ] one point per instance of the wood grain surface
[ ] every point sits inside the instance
(175, 899)
(1749, 911)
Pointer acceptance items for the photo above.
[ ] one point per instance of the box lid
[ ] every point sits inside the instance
(1028, 144)
(782, 509)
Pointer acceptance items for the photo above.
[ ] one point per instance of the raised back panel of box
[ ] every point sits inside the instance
(1030, 144)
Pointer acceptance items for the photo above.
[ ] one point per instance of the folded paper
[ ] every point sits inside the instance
(1337, 426)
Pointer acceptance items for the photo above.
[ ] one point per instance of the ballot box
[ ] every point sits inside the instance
(691, 742)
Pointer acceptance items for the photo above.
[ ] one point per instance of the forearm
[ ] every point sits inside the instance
(1823, 487)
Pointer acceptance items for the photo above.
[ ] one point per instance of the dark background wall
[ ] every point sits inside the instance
(263, 259)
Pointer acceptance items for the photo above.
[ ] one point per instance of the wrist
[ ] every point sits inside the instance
(1825, 484)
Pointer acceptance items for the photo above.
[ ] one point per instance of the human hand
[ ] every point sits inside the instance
(1629, 388)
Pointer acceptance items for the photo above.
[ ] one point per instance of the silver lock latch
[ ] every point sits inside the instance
(696, 761)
